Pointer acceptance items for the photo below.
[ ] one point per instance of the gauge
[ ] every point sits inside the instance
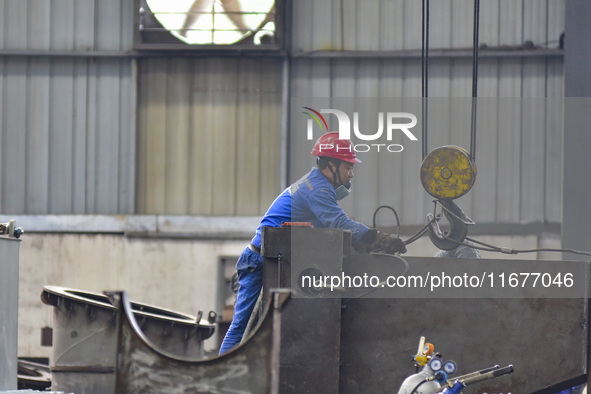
(435, 364)
(450, 367)
(428, 349)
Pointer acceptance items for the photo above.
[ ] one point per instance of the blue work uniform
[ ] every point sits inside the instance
(311, 199)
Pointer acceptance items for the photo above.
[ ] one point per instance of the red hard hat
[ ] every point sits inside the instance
(329, 145)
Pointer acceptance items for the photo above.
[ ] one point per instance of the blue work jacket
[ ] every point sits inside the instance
(311, 199)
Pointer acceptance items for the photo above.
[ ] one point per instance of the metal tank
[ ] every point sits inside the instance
(84, 337)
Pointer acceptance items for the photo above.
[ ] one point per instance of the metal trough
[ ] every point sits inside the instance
(33, 376)
(252, 367)
(84, 337)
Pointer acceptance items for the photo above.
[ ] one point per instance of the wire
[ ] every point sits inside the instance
(491, 248)
(552, 250)
(393, 256)
(484, 246)
(516, 251)
(395, 214)
(421, 232)
(414, 237)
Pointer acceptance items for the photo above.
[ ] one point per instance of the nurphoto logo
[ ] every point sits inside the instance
(396, 123)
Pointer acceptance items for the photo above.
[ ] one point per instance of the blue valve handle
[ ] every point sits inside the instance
(18, 231)
(440, 377)
(455, 389)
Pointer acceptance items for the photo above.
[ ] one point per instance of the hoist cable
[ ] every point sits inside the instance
(474, 79)
(425, 75)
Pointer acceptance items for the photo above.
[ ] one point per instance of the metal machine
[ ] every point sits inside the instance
(435, 376)
(85, 337)
(348, 341)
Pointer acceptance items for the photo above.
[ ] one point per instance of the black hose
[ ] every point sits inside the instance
(395, 214)
(419, 385)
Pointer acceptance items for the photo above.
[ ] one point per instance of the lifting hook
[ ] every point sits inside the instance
(458, 225)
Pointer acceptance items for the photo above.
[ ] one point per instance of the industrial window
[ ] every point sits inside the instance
(208, 24)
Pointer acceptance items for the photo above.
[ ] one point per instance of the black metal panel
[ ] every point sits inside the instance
(310, 335)
(542, 337)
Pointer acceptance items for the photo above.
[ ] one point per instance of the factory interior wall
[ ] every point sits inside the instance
(171, 273)
(176, 274)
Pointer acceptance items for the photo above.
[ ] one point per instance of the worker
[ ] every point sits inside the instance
(314, 198)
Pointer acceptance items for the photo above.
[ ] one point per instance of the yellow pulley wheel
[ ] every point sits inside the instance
(448, 172)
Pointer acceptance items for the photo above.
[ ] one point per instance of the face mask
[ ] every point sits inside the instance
(343, 191)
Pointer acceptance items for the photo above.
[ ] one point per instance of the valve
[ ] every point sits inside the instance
(450, 367)
(435, 378)
(455, 389)
(424, 352)
(433, 375)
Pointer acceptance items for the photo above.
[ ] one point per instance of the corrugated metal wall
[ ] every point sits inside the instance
(207, 132)
(67, 137)
(67, 105)
(66, 25)
(518, 140)
(388, 25)
(209, 135)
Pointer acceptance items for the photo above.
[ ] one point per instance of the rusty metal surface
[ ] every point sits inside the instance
(249, 368)
(311, 328)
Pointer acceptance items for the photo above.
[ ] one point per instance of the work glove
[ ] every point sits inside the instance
(388, 243)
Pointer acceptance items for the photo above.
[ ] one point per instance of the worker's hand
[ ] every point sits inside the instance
(388, 243)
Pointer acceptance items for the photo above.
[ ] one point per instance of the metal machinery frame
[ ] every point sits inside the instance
(376, 337)
(361, 342)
